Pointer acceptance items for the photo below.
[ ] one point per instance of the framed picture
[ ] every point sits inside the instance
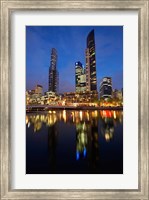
(74, 99)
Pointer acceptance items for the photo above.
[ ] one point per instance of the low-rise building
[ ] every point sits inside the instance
(81, 97)
(105, 89)
(117, 94)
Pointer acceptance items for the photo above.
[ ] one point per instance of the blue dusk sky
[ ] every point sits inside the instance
(70, 43)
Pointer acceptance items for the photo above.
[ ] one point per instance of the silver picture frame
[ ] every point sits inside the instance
(7, 8)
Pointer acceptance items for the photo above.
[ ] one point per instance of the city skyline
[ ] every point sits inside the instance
(109, 54)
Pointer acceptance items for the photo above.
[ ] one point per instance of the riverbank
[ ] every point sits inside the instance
(38, 108)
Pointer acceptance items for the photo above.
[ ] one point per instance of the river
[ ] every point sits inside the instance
(74, 142)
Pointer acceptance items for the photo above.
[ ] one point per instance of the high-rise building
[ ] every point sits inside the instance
(88, 85)
(53, 73)
(80, 77)
(91, 63)
(83, 80)
(105, 89)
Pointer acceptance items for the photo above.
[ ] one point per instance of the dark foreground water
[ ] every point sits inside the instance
(74, 142)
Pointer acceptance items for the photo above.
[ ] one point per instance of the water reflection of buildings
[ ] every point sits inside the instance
(81, 140)
(107, 129)
(86, 118)
(52, 117)
(52, 144)
(93, 145)
(108, 122)
(89, 125)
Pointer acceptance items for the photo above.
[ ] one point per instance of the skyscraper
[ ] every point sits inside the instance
(91, 63)
(53, 73)
(80, 77)
(88, 85)
(105, 89)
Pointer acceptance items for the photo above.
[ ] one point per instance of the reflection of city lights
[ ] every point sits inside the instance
(88, 116)
(49, 120)
(54, 119)
(42, 117)
(77, 155)
(83, 126)
(93, 114)
(96, 113)
(83, 139)
(107, 136)
(76, 114)
(26, 119)
(111, 130)
(80, 115)
(37, 117)
(114, 115)
(84, 152)
(64, 115)
(106, 113)
(37, 126)
(73, 117)
(82, 119)
(29, 124)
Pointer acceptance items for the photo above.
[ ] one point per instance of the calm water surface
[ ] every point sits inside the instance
(74, 142)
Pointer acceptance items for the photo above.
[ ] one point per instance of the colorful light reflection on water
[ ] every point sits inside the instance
(74, 142)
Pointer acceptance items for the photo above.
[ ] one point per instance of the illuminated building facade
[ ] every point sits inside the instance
(106, 87)
(80, 77)
(117, 94)
(80, 97)
(91, 63)
(53, 73)
(88, 85)
(30, 92)
(39, 89)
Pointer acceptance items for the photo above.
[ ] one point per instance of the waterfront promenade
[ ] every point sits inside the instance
(32, 108)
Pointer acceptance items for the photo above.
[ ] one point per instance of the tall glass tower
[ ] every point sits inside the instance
(53, 73)
(80, 77)
(91, 63)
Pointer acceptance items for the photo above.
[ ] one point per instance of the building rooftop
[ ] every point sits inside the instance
(39, 86)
